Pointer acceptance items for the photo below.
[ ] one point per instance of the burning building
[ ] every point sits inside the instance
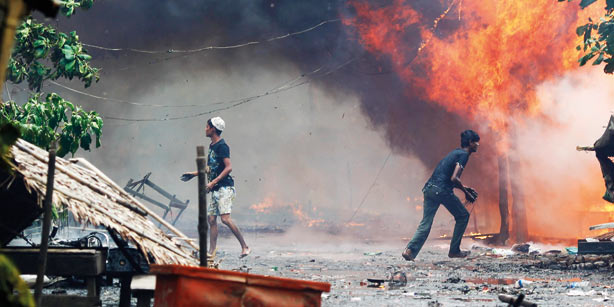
(487, 63)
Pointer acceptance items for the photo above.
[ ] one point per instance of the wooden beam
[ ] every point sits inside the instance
(60, 261)
(147, 198)
(70, 300)
(602, 226)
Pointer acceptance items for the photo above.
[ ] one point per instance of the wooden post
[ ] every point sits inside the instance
(504, 229)
(124, 291)
(42, 260)
(203, 227)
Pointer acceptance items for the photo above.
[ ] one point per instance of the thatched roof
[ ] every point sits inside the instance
(93, 198)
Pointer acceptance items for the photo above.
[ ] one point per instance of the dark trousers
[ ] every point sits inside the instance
(607, 169)
(433, 197)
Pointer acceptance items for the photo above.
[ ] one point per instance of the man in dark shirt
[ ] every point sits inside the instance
(438, 190)
(221, 185)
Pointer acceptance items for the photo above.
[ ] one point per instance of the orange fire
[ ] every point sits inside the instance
(306, 219)
(264, 206)
(487, 66)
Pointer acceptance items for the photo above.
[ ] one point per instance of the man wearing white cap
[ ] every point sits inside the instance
(221, 185)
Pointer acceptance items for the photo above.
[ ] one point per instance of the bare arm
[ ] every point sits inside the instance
(195, 173)
(456, 182)
(470, 194)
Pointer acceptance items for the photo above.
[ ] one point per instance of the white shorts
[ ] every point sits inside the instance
(221, 201)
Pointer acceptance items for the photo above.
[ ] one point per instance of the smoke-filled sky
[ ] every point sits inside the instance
(315, 150)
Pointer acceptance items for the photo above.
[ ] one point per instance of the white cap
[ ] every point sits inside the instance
(218, 123)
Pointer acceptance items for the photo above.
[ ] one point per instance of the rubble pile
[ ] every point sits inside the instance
(575, 262)
(566, 259)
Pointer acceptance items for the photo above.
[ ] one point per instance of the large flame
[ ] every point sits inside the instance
(487, 66)
(488, 69)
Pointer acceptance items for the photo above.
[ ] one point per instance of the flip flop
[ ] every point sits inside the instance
(245, 254)
(213, 254)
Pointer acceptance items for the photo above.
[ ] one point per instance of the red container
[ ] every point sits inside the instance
(178, 286)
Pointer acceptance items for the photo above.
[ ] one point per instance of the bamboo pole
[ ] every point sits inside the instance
(202, 204)
(42, 258)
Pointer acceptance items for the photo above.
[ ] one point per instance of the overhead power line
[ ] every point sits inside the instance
(237, 102)
(216, 47)
(141, 104)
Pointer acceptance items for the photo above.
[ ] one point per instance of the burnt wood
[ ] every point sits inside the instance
(70, 300)
(599, 248)
(60, 261)
(124, 291)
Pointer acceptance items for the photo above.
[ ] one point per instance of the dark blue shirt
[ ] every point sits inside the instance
(443, 172)
(215, 161)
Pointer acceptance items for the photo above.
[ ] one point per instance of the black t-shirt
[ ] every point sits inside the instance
(215, 160)
(444, 170)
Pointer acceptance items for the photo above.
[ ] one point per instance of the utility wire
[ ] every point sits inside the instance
(371, 187)
(235, 103)
(140, 104)
(216, 47)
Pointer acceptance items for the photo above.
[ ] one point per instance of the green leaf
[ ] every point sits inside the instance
(586, 58)
(82, 68)
(86, 4)
(86, 140)
(599, 59)
(61, 40)
(70, 66)
(85, 56)
(74, 146)
(39, 53)
(68, 53)
(580, 30)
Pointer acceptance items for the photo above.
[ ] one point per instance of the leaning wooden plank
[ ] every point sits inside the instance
(143, 207)
(602, 226)
(585, 148)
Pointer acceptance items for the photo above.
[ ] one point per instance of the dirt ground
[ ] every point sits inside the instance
(432, 280)
(547, 275)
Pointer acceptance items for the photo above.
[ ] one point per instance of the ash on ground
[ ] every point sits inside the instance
(361, 272)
